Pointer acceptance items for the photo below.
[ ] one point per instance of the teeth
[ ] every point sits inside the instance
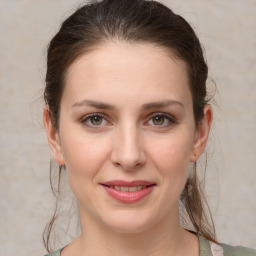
(124, 189)
(128, 189)
(132, 189)
(139, 187)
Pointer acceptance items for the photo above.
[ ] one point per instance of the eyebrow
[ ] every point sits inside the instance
(161, 104)
(92, 103)
(146, 106)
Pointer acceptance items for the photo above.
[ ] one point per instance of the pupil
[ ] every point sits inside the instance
(158, 120)
(96, 120)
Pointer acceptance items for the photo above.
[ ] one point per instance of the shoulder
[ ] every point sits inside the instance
(237, 250)
(56, 253)
(211, 249)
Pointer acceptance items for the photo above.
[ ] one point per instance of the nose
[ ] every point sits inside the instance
(127, 151)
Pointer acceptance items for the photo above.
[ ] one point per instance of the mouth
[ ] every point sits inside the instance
(128, 192)
(129, 188)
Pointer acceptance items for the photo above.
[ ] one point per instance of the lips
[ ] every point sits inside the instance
(128, 183)
(128, 191)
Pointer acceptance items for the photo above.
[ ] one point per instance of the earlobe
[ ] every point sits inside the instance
(201, 135)
(53, 137)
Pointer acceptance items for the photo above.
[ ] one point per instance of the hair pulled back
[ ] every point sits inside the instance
(132, 21)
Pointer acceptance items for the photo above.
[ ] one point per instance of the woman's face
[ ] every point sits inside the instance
(126, 116)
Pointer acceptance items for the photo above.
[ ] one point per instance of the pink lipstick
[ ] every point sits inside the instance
(128, 191)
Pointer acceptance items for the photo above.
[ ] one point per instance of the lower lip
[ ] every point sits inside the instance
(129, 197)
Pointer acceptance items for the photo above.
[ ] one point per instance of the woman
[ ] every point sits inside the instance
(126, 116)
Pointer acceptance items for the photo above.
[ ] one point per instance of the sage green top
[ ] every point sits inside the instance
(205, 249)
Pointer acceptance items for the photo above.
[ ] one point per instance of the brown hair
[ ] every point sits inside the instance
(132, 21)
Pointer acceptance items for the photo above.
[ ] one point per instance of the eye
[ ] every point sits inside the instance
(161, 120)
(158, 120)
(94, 120)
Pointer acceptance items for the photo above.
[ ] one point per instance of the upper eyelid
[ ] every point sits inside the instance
(87, 116)
(168, 117)
(162, 114)
(94, 114)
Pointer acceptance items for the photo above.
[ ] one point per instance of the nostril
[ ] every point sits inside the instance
(128, 154)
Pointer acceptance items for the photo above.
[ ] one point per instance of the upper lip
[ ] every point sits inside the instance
(133, 183)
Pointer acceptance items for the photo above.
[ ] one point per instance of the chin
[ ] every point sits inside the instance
(130, 224)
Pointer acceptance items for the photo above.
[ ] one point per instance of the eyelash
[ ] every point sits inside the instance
(87, 118)
(170, 119)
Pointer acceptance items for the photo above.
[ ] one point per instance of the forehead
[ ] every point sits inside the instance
(136, 70)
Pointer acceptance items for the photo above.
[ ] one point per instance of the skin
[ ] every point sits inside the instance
(128, 143)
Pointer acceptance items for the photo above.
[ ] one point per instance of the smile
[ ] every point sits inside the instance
(128, 189)
(128, 192)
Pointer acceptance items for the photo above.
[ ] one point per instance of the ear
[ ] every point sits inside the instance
(53, 137)
(201, 134)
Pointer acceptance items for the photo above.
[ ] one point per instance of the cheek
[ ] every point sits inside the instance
(172, 151)
(84, 157)
(171, 156)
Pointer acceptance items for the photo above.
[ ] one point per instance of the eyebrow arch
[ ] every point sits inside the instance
(160, 104)
(146, 106)
(92, 103)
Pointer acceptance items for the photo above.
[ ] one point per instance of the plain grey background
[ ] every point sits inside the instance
(227, 31)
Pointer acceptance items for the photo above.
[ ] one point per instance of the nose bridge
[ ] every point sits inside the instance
(127, 149)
